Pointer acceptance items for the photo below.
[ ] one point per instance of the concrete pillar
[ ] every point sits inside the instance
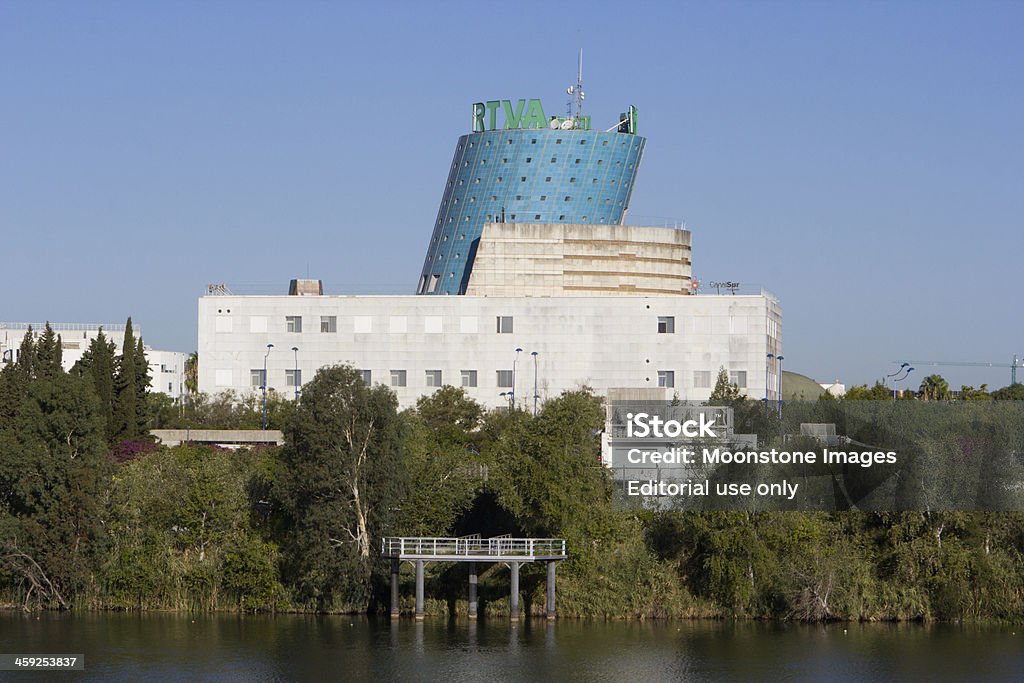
(419, 590)
(472, 590)
(394, 588)
(551, 591)
(514, 601)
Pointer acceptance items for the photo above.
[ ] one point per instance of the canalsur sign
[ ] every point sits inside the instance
(524, 114)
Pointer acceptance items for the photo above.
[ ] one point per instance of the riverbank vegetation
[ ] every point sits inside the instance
(95, 516)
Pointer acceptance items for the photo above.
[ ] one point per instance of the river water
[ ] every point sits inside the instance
(174, 647)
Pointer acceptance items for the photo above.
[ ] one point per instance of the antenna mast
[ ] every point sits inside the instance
(576, 90)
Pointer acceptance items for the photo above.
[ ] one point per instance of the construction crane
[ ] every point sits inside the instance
(1017, 363)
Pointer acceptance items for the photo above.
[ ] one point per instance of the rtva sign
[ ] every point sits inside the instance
(527, 114)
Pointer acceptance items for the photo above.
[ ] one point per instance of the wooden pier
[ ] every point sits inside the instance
(472, 549)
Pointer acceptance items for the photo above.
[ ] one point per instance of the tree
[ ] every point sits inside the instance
(725, 392)
(934, 388)
(342, 482)
(861, 393)
(98, 364)
(48, 354)
(50, 478)
(450, 406)
(1014, 392)
(192, 373)
(130, 385)
(969, 393)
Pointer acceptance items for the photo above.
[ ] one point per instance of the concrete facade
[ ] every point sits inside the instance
(536, 259)
(675, 344)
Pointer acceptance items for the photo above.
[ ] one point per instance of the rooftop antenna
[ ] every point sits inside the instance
(576, 90)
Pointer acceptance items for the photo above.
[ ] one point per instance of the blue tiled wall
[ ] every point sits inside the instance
(535, 176)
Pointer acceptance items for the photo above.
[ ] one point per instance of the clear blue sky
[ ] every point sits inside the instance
(863, 161)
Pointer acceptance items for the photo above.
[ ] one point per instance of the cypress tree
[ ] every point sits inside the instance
(126, 389)
(26, 358)
(142, 379)
(98, 364)
(48, 355)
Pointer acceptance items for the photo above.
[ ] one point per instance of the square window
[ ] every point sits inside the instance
(398, 378)
(469, 378)
(362, 324)
(433, 378)
(702, 379)
(666, 378)
(257, 378)
(548, 179)
(258, 323)
(504, 378)
(739, 378)
(522, 179)
(398, 324)
(543, 197)
(367, 377)
(572, 180)
(222, 378)
(293, 378)
(504, 324)
(223, 323)
(293, 322)
(536, 217)
(666, 324)
(529, 159)
(468, 324)
(432, 324)
(554, 159)
(328, 323)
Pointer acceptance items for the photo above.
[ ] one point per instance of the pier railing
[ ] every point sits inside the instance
(498, 547)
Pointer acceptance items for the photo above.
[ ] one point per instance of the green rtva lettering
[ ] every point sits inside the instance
(527, 114)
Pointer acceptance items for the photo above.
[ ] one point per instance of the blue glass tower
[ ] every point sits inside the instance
(539, 175)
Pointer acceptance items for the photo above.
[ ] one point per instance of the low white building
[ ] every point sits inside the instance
(166, 368)
(499, 348)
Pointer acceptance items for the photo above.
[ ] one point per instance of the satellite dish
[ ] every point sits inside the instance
(553, 125)
(569, 90)
(581, 94)
(567, 124)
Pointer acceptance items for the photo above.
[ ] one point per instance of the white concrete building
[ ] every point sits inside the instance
(166, 368)
(415, 344)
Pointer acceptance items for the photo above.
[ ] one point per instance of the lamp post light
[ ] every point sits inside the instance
(780, 358)
(265, 356)
(535, 396)
(900, 379)
(295, 350)
(515, 361)
(507, 395)
(898, 371)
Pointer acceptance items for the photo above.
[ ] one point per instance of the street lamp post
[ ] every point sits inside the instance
(535, 396)
(898, 371)
(766, 364)
(780, 358)
(515, 361)
(900, 379)
(295, 350)
(265, 356)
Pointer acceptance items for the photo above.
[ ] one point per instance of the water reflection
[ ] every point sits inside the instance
(166, 647)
